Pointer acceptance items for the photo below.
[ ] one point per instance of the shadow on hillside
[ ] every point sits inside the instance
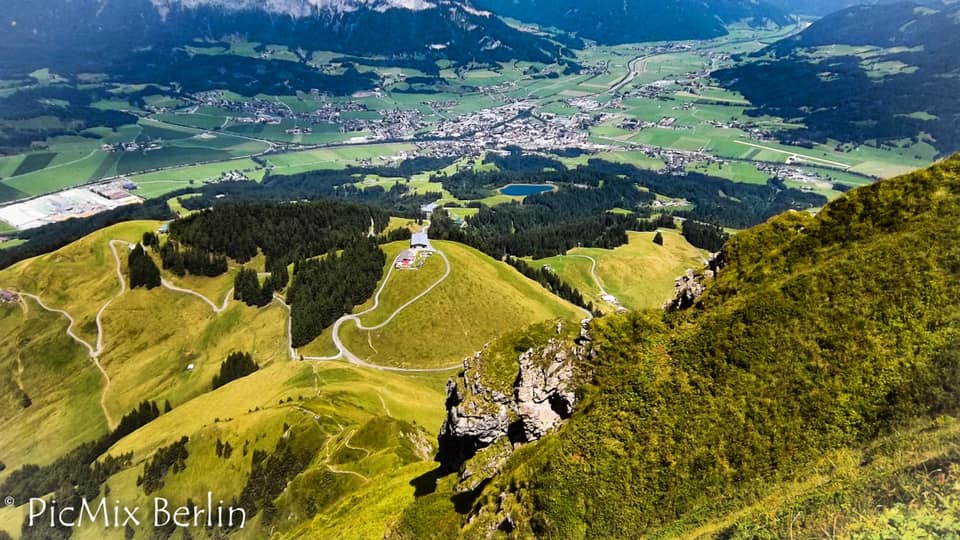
(463, 502)
(426, 483)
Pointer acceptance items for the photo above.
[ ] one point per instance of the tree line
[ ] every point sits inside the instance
(167, 459)
(552, 283)
(326, 288)
(705, 235)
(79, 473)
(270, 473)
(237, 365)
(183, 260)
(283, 232)
(662, 221)
(141, 269)
(247, 288)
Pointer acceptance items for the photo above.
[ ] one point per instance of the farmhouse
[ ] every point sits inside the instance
(9, 297)
(406, 260)
(414, 257)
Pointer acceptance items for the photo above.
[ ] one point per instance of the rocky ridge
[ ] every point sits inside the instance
(484, 423)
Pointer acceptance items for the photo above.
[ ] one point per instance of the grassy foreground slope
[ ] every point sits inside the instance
(356, 438)
(639, 274)
(480, 300)
(318, 449)
(819, 379)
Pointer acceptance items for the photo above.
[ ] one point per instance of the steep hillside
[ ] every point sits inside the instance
(81, 350)
(330, 448)
(822, 7)
(823, 343)
(876, 75)
(613, 21)
(123, 345)
(316, 449)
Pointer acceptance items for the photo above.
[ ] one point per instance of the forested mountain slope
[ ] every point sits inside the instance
(821, 7)
(821, 339)
(109, 31)
(613, 21)
(876, 75)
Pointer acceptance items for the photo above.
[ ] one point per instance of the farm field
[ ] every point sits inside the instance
(334, 158)
(194, 134)
(70, 162)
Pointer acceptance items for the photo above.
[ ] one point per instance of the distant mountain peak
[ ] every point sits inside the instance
(294, 8)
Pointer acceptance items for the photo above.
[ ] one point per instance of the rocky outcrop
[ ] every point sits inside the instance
(689, 287)
(482, 414)
(542, 395)
(686, 290)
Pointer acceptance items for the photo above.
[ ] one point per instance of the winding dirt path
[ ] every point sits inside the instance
(216, 309)
(66, 315)
(346, 354)
(596, 280)
(94, 352)
(593, 272)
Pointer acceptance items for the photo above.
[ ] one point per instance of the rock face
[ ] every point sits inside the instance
(480, 416)
(542, 395)
(689, 287)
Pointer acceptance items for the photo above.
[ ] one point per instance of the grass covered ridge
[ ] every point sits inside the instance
(823, 338)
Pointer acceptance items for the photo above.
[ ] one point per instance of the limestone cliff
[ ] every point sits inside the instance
(487, 416)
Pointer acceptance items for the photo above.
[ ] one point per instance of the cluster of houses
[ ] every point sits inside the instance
(134, 146)
(414, 257)
(9, 297)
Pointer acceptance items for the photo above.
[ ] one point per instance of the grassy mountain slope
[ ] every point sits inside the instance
(363, 436)
(640, 274)
(39, 360)
(149, 339)
(480, 300)
(354, 434)
(819, 375)
(355, 438)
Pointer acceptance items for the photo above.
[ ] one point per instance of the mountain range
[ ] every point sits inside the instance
(104, 31)
(616, 21)
(868, 74)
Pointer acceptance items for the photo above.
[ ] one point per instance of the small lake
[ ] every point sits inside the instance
(524, 190)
